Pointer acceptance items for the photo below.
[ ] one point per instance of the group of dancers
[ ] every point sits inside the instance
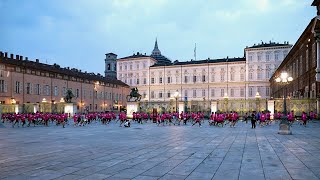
(27, 119)
(166, 118)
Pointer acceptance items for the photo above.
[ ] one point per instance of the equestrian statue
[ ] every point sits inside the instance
(134, 94)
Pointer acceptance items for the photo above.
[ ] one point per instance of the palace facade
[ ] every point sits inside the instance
(303, 65)
(200, 83)
(29, 86)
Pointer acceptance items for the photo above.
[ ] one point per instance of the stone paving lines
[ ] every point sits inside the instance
(150, 152)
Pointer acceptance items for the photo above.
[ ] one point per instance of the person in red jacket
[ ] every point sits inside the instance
(197, 119)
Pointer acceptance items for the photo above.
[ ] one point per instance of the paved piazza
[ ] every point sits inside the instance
(150, 152)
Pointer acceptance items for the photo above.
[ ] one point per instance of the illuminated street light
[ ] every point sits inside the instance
(176, 96)
(284, 80)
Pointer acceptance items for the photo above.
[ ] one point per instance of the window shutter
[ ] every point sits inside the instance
(26, 87)
(5, 87)
(31, 88)
(40, 89)
(35, 88)
(21, 87)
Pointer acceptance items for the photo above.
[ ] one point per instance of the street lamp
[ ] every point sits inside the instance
(176, 96)
(258, 101)
(146, 102)
(284, 80)
(225, 97)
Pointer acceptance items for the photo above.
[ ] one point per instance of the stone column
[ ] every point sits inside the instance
(318, 56)
(318, 106)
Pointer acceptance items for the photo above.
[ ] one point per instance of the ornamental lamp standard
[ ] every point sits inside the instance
(258, 101)
(146, 101)
(225, 97)
(284, 80)
(176, 96)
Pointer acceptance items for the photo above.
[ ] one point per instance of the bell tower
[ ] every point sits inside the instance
(111, 65)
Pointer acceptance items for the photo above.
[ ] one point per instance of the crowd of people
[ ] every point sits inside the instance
(161, 119)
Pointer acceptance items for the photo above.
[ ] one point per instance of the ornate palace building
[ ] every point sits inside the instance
(29, 86)
(303, 64)
(228, 83)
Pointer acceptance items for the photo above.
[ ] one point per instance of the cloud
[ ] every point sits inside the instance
(81, 31)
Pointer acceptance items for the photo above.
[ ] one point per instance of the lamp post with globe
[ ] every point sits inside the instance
(258, 101)
(284, 79)
(176, 96)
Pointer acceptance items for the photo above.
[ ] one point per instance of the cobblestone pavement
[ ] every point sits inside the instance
(151, 152)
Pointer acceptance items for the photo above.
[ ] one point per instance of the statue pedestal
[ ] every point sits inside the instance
(70, 108)
(284, 127)
(131, 107)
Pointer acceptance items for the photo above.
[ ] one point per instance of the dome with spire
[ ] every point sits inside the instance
(156, 54)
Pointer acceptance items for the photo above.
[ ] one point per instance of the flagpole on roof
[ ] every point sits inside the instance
(195, 51)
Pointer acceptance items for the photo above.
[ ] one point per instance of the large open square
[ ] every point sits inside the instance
(149, 151)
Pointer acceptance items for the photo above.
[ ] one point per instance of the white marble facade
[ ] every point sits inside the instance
(235, 78)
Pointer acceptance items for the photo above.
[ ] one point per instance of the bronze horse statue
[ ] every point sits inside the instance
(69, 96)
(134, 94)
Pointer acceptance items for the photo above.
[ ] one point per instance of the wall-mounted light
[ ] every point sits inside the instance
(13, 101)
(44, 100)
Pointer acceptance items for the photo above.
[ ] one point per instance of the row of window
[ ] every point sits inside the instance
(203, 78)
(130, 67)
(38, 89)
(214, 93)
(4, 73)
(268, 56)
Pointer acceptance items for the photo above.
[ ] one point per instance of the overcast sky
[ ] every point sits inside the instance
(78, 33)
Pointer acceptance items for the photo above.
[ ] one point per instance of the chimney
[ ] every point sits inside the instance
(26, 58)
(11, 56)
(17, 57)
(1, 54)
(21, 58)
(6, 55)
(37, 60)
